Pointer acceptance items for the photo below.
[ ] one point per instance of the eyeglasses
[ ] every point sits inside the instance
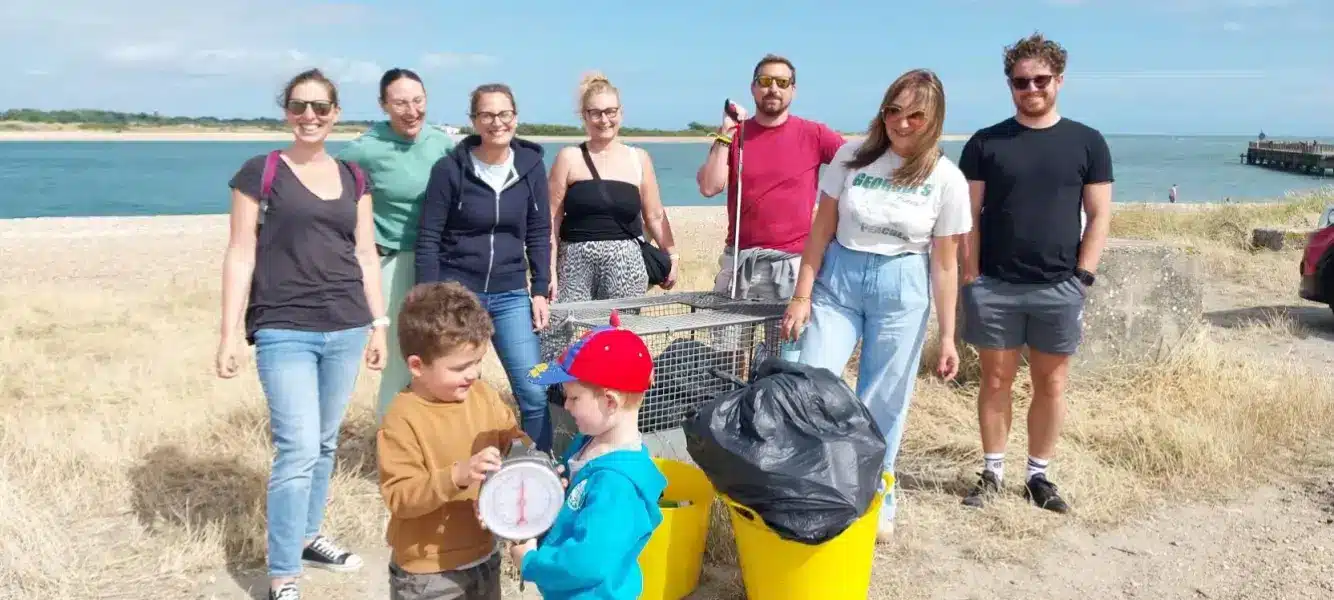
(487, 118)
(1039, 82)
(402, 105)
(768, 80)
(298, 107)
(594, 113)
(915, 118)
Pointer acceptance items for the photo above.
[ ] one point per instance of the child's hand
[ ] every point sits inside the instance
(466, 474)
(518, 550)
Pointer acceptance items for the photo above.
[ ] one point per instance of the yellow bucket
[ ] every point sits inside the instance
(773, 568)
(672, 559)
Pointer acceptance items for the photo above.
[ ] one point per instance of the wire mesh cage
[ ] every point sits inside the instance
(702, 343)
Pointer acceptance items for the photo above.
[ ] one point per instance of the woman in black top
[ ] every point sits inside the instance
(596, 210)
(302, 249)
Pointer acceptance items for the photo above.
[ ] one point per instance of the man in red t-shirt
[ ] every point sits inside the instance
(781, 161)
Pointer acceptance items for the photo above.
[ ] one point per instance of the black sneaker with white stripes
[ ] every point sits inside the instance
(287, 591)
(322, 553)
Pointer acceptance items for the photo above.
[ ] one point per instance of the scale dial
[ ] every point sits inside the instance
(520, 501)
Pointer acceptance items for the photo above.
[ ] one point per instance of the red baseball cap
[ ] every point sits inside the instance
(608, 356)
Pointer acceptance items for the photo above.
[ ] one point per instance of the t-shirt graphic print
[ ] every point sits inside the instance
(875, 215)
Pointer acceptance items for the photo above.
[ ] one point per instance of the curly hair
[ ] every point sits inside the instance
(440, 318)
(1036, 47)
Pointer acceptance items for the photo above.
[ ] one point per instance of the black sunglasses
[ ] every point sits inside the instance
(321, 107)
(1039, 82)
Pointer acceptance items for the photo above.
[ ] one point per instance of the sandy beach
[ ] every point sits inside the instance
(129, 250)
(148, 135)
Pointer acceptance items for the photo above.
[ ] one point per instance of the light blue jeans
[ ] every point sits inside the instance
(884, 301)
(519, 349)
(308, 378)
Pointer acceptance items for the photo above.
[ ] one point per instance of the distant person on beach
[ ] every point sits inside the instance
(398, 155)
(883, 246)
(779, 184)
(1029, 263)
(486, 223)
(597, 209)
(1172, 194)
(302, 246)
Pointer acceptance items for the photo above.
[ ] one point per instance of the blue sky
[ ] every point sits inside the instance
(1136, 66)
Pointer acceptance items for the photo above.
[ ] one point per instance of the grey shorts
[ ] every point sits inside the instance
(480, 582)
(1046, 317)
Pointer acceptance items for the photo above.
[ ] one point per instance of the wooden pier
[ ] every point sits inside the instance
(1310, 158)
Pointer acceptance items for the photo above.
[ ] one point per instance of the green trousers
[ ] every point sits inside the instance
(396, 278)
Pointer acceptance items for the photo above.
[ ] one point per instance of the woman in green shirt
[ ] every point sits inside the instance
(397, 156)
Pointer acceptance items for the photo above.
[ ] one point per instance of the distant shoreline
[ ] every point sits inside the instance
(71, 226)
(151, 135)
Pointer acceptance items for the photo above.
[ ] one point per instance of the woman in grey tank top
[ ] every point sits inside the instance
(302, 246)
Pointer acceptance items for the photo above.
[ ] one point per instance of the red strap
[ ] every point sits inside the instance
(360, 177)
(270, 172)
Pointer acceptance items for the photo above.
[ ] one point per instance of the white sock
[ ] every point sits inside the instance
(1036, 466)
(994, 462)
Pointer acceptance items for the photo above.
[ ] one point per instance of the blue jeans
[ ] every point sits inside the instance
(308, 377)
(885, 302)
(519, 350)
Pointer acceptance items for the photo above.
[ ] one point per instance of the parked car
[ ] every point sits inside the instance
(1317, 266)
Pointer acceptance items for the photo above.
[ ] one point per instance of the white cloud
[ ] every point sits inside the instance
(238, 39)
(1232, 26)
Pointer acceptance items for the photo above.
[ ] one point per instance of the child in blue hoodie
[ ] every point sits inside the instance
(611, 506)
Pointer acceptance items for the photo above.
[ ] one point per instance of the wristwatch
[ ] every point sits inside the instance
(1085, 277)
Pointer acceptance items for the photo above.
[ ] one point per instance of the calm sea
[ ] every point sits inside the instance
(41, 179)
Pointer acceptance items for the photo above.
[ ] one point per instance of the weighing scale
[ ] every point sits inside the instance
(520, 500)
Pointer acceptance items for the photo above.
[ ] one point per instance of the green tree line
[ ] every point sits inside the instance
(109, 119)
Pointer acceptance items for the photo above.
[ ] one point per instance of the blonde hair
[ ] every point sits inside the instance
(592, 84)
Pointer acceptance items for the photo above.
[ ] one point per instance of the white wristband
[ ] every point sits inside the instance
(380, 322)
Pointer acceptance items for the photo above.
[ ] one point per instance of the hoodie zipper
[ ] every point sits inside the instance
(511, 178)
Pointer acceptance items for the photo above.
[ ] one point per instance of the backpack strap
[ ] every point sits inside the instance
(266, 183)
(359, 176)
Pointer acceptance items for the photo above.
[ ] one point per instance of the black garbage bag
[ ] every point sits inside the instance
(795, 445)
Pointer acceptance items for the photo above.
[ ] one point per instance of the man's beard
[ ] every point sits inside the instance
(762, 107)
(1048, 105)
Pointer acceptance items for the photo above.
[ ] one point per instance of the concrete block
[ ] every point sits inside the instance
(1147, 297)
(1279, 239)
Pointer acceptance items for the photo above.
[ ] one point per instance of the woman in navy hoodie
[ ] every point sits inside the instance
(485, 221)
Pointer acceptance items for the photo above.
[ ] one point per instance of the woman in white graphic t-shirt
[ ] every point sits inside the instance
(883, 246)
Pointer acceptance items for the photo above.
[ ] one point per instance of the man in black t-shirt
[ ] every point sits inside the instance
(1030, 259)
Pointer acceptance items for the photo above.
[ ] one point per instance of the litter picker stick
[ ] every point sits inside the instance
(739, 140)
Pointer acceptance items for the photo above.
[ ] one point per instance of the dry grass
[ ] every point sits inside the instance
(127, 466)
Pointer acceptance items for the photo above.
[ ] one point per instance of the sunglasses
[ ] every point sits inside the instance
(1039, 82)
(298, 107)
(915, 118)
(768, 80)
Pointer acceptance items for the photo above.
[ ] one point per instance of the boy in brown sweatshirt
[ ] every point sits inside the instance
(438, 440)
